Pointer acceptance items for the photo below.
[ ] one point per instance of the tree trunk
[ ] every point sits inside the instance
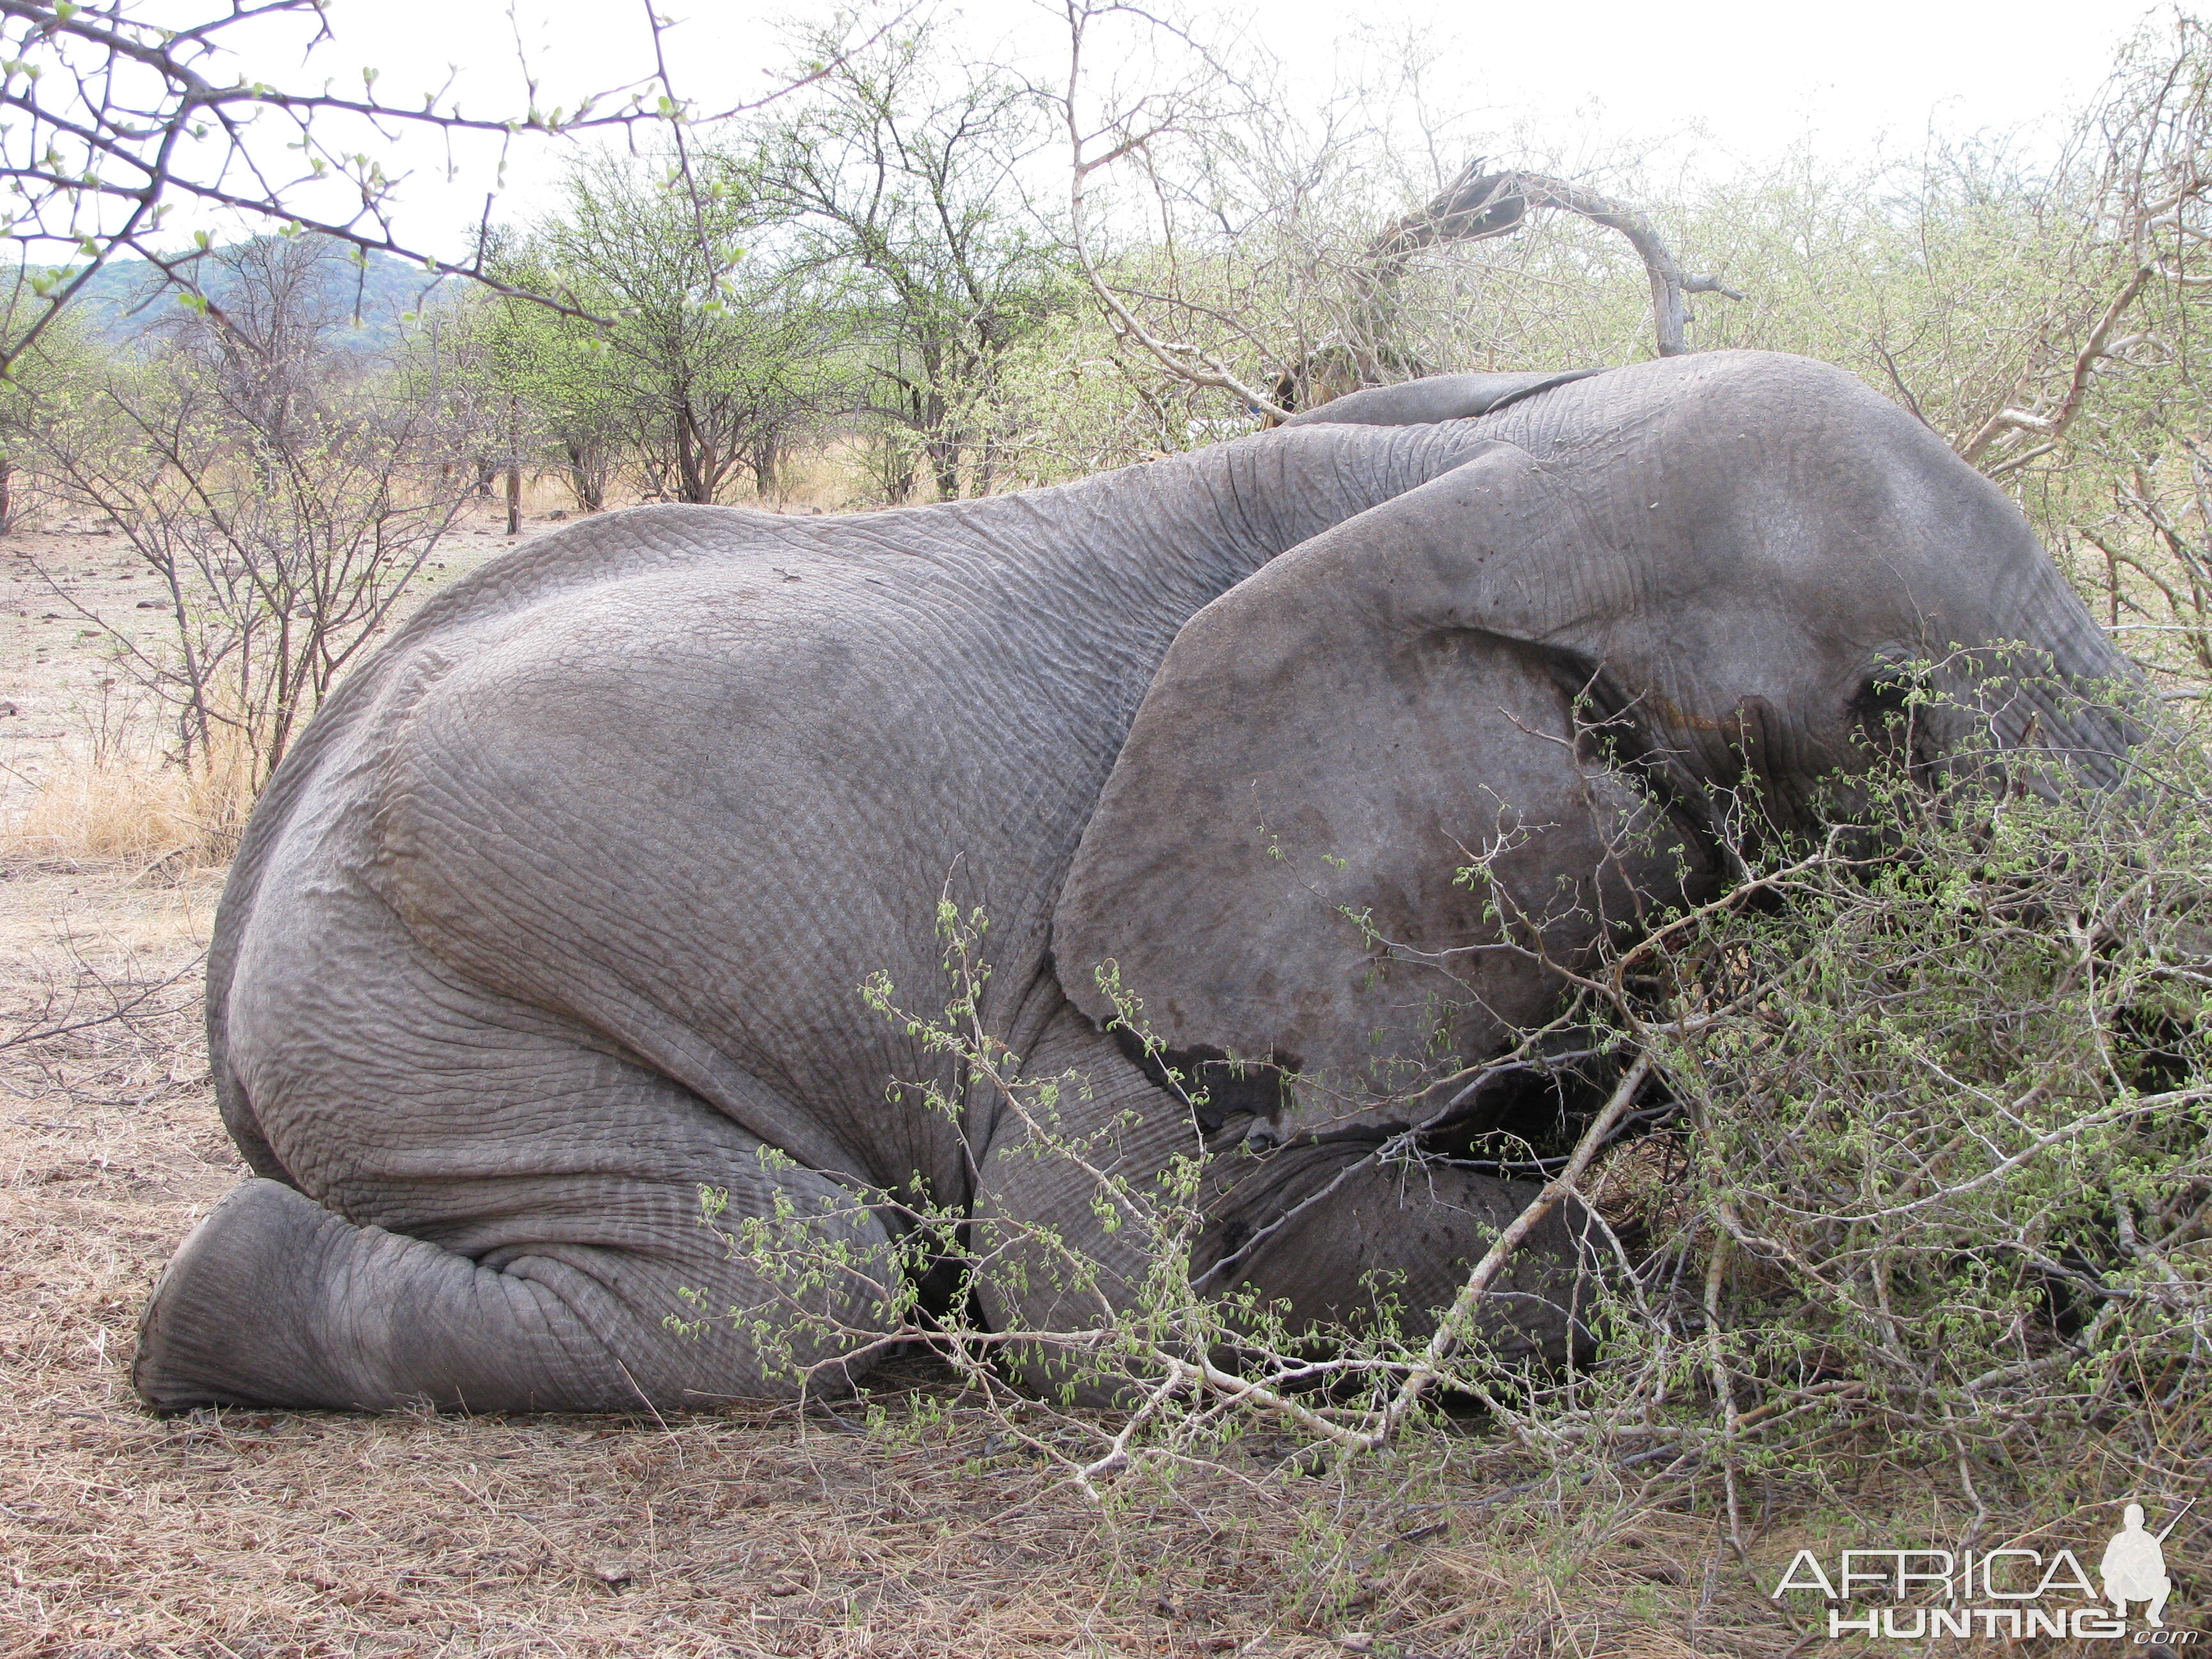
(764, 458)
(944, 444)
(586, 477)
(690, 474)
(514, 468)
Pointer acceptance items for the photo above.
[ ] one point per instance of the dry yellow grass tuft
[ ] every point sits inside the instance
(135, 807)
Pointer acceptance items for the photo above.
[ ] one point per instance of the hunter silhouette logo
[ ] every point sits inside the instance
(2134, 1567)
(2011, 1592)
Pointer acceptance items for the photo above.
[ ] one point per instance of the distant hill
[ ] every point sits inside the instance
(127, 298)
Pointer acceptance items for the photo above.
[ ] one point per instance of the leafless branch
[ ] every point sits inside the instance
(1479, 204)
(1091, 153)
(122, 119)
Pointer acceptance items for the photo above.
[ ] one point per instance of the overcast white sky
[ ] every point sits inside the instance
(1729, 79)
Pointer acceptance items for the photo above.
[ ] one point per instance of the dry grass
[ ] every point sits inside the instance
(750, 1533)
(81, 774)
(134, 808)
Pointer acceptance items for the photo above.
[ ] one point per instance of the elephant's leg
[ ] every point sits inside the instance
(1053, 1253)
(491, 1212)
(275, 1300)
(1332, 1236)
(1328, 1234)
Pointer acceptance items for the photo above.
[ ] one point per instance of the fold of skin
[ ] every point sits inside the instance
(561, 909)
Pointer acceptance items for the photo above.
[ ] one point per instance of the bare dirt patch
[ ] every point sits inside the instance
(63, 583)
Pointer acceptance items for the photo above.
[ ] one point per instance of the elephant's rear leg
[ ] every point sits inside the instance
(275, 1300)
(493, 1211)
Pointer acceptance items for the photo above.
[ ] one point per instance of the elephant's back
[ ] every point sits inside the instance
(796, 740)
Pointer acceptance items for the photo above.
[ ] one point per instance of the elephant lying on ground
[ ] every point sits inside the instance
(560, 907)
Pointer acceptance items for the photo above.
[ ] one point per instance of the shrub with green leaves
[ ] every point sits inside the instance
(1944, 1156)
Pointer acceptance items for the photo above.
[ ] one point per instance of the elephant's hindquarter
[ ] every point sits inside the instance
(681, 817)
(695, 815)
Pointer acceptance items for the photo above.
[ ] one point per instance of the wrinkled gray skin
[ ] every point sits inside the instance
(560, 907)
(1438, 397)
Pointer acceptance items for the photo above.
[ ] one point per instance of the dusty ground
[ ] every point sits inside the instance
(53, 658)
(251, 1535)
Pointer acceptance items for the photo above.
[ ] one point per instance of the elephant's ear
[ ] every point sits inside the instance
(1275, 874)
(1438, 398)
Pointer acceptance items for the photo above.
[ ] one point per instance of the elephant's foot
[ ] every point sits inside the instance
(274, 1300)
(186, 1356)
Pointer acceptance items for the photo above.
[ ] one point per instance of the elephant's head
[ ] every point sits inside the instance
(1733, 557)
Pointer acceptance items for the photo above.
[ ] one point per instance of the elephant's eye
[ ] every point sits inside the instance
(1887, 689)
(1887, 697)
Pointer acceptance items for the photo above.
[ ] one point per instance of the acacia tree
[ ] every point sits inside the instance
(2104, 424)
(905, 169)
(59, 365)
(565, 404)
(720, 346)
(283, 495)
(2136, 194)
